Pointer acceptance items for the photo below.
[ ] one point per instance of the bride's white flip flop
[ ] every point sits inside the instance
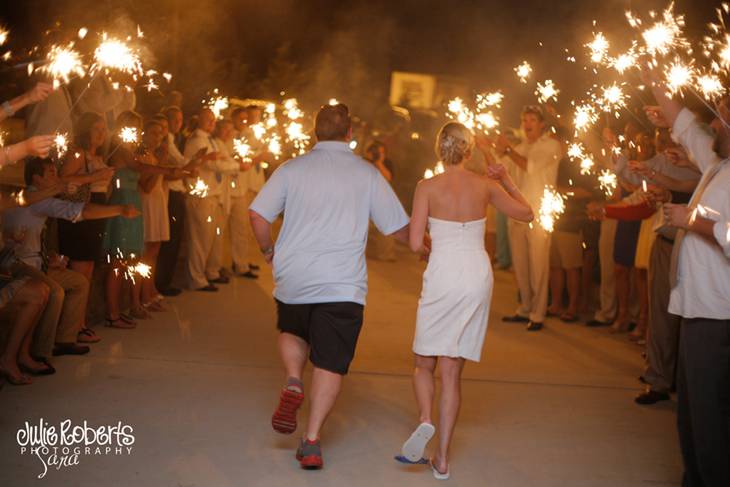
(414, 447)
(438, 475)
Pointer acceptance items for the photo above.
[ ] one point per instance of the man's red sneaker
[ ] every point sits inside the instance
(284, 419)
(309, 454)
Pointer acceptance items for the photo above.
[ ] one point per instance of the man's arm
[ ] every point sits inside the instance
(690, 220)
(262, 232)
(93, 211)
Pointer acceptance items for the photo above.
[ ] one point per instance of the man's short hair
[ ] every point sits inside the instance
(153, 121)
(236, 111)
(253, 107)
(534, 110)
(169, 110)
(35, 166)
(219, 124)
(333, 122)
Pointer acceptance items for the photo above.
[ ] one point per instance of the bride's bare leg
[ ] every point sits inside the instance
(423, 386)
(450, 369)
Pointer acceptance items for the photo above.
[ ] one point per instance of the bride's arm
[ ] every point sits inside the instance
(506, 197)
(419, 219)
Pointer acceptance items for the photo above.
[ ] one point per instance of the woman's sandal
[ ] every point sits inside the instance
(415, 445)
(87, 335)
(48, 370)
(438, 475)
(120, 323)
(140, 313)
(154, 305)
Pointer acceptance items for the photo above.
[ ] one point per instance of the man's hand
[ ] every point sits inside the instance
(39, 145)
(497, 172)
(656, 116)
(502, 144)
(39, 92)
(677, 215)
(640, 168)
(678, 156)
(130, 211)
(595, 211)
(656, 194)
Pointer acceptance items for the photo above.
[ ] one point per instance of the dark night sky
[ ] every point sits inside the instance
(321, 48)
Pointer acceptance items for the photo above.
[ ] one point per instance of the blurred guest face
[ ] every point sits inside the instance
(609, 137)
(644, 147)
(253, 116)
(722, 132)
(532, 126)
(165, 128)
(206, 121)
(224, 131)
(97, 135)
(175, 122)
(239, 120)
(153, 136)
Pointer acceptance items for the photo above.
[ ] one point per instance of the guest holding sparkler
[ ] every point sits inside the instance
(536, 162)
(202, 207)
(38, 145)
(65, 313)
(700, 281)
(234, 201)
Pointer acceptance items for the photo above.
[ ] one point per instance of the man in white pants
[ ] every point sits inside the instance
(203, 208)
(535, 163)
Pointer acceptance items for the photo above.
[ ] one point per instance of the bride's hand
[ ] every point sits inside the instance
(426, 247)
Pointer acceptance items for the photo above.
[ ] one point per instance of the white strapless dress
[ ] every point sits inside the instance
(457, 292)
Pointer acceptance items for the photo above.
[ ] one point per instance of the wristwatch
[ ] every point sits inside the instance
(268, 250)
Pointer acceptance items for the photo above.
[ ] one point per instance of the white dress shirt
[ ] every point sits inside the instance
(211, 172)
(543, 158)
(703, 269)
(178, 160)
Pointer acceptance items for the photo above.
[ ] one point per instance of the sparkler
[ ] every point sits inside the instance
(546, 91)
(242, 149)
(82, 32)
(296, 135)
(62, 63)
(115, 54)
(608, 182)
(292, 110)
(679, 75)
(523, 71)
(140, 269)
(258, 130)
(217, 104)
(458, 111)
(4, 34)
(710, 86)
(438, 169)
(626, 60)
(274, 145)
(552, 206)
(333, 101)
(129, 135)
(585, 116)
(612, 98)
(666, 34)
(598, 48)
(200, 189)
(60, 143)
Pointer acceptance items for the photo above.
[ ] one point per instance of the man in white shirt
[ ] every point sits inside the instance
(328, 196)
(234, 204)
(700, 279)
(535, 164)
(203, 206)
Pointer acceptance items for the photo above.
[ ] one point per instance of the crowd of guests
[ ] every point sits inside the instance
(647, 258)
(129, 207)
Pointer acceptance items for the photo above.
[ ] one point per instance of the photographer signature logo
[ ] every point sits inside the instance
(63, 445)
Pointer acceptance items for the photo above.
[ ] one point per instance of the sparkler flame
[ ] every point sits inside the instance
(217, 104)
(552, 206)
(60, 143)
(679, 75)
(523, 71)
(242, 149)
(547, 91)
(200, 189)
(129, 135)
(115, 54)
(4, 34)
(666, 34)
(608, 182)
(585, 116)
(63, 61)
(598, 48)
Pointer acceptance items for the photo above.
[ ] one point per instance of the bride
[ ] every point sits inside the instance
(457, 284)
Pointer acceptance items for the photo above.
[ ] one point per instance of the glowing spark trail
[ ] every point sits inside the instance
(608, 182)
(200, 189)
(115, 54)
(63, 62)
(128, 135)
(547, 91)
(552, 206)
(523, 71)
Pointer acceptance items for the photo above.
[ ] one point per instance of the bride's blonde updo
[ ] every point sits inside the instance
(454, 143)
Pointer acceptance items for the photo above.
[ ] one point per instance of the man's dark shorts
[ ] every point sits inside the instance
(330, 329)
